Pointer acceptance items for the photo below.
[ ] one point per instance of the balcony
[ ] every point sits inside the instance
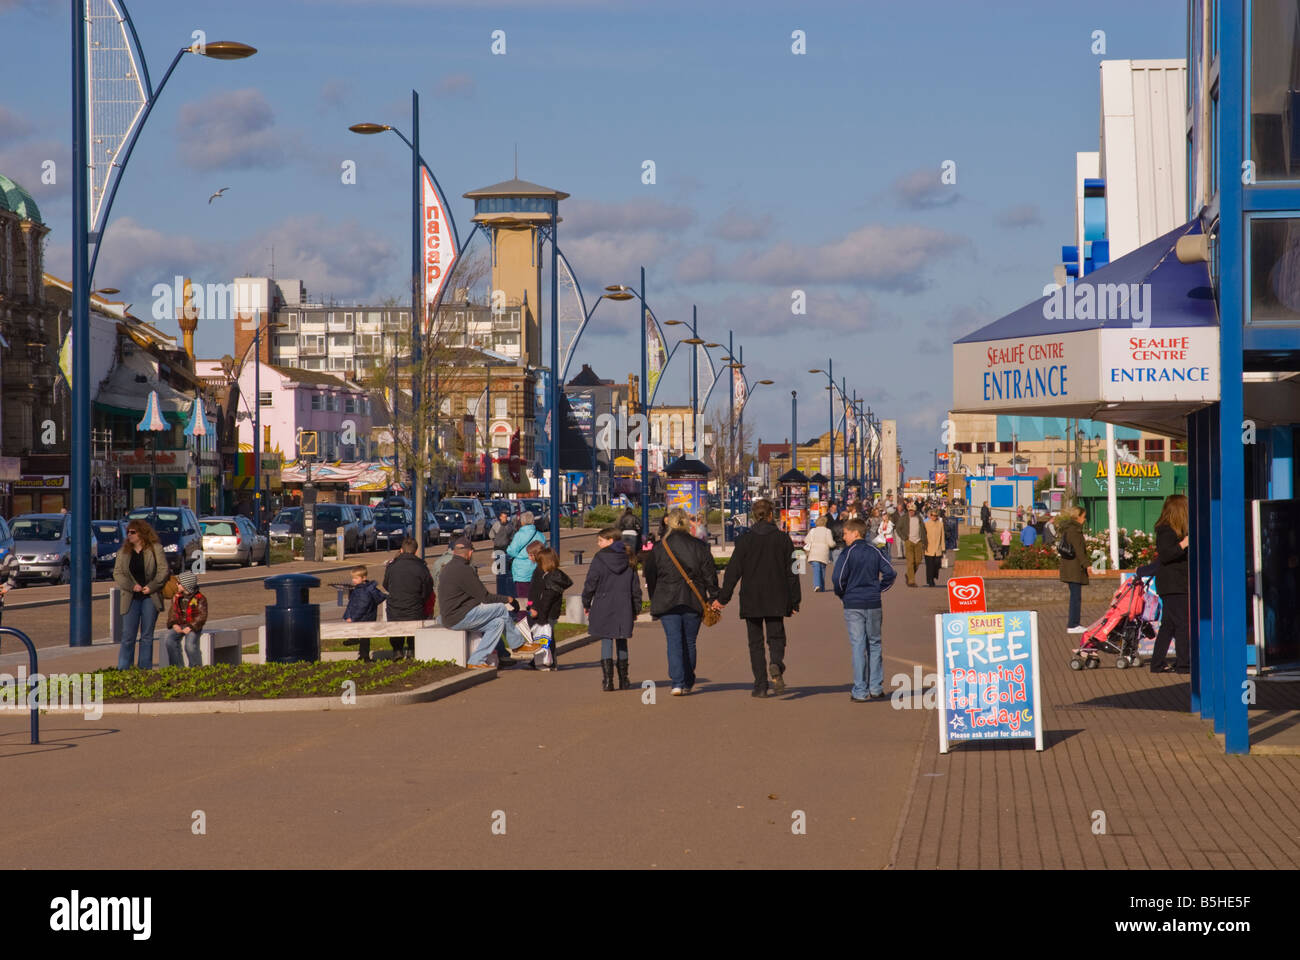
(311, 350)
(340, 325)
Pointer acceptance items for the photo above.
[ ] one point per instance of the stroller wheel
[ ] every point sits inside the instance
(1093, 663)
(1135, 661)
(1121, 663)
(1076, 663)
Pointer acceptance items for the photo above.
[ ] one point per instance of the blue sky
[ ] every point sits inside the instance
(774, 171)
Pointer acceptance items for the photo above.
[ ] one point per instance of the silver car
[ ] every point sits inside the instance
(43, 545)
(232, 540)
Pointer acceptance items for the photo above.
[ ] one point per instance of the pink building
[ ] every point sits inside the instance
(293, 400)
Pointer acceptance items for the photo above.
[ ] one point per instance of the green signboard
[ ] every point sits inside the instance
(1140, 492)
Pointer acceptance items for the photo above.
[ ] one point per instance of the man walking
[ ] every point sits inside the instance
(503, 530)
(465, 604)
(861, 575)
(763, 563)
(914, 542)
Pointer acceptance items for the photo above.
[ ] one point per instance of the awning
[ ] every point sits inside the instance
(1134, 343)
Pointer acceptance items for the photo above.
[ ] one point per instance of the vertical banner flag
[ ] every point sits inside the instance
(737, 390)
(439, 247)
(655, 354)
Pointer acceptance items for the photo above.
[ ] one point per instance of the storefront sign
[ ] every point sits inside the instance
(42, 482)
(1160, 364)
(1088, 368)
(966, 595)
(1132, 479)
(686, 494)
(988, 677)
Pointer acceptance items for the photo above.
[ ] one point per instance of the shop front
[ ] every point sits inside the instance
(1140, 491)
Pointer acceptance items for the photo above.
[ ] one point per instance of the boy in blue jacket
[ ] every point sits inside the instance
(363, 605)
(862, 573)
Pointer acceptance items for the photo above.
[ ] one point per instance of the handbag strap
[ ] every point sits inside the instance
(689, 582)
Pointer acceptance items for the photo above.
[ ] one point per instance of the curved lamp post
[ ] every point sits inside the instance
(417, 317)
(84, 259)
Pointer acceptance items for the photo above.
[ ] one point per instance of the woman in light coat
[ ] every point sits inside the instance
(819, 543)
(934, 546)
(140, 572)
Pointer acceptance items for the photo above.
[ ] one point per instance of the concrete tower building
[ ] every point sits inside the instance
(515, 212)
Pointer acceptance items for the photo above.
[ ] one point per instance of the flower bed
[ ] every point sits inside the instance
(267, 681)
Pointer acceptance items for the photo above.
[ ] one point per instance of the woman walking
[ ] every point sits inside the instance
(769, 592)
(934, 547)
(1172, 538)
(681, 578)
(140, 572)
(1074, 561)
(611, 596)
(819, 544)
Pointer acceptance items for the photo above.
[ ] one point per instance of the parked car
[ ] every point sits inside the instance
(109, 537)
(331, 516)
(541, 510)
(432, 529)
(43, 545)
(286, 524)
(511, 508)
(178, 530)
(452, 522)
(475, 513)
(392, 525)
(233, 540)
(366, 520)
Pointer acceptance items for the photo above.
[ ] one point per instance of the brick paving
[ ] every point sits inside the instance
(1117, 741)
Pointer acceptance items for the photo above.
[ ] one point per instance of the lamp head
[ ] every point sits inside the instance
(693, 340)
(224, 50)
(619, 295)
(368, 128)
(767, 382)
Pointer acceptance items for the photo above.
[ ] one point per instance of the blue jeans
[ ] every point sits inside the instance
(1076, 602)
(607, 647)
(681, 627)
(173, 640)
(819, 575)
(491, 619)
(864, 631)
(139, 617)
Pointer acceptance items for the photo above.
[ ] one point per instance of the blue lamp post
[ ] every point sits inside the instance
(830, 376)
(417, 284)
(83, 272)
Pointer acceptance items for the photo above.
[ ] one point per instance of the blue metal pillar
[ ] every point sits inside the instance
(79, 625)
(1198, 555)
(1228, 541)
(555, 380)
(643, 409)
(1214, 660)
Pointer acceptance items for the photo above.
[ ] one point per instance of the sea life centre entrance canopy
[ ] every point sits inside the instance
(1134, 343)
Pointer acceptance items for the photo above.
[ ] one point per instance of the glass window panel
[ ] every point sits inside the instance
(1275, 89)
(1275, 271)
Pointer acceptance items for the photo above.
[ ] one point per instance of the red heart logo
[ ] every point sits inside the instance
(966, 591)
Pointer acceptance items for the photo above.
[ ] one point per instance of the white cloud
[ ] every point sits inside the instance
(924, 190)
(738, 227)
(231, 130)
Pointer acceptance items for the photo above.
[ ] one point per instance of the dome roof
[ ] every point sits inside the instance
(17, 200)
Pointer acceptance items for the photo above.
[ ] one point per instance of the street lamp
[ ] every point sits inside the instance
(417, 316)
(830, 376)
(83, 273)
(257, 413)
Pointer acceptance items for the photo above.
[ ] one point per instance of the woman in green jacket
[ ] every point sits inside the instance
(1074, 571)
(140, 572)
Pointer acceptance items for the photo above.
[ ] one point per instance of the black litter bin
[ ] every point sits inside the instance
(292, 623)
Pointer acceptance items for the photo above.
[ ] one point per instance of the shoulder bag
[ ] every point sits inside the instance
(711, 616)
(1064, 548)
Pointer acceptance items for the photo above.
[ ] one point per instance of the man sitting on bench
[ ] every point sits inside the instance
(465, 604)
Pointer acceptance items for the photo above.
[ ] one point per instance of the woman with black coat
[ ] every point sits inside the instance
(763, 563)
(1074, 569)
(1171, 583)
(672, 601)
(611, 596)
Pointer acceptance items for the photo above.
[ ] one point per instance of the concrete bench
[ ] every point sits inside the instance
(215, 646)
(432, 642)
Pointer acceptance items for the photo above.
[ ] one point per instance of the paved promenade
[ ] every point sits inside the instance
(578, 777)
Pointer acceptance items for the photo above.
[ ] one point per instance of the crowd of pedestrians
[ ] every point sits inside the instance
(852, 549)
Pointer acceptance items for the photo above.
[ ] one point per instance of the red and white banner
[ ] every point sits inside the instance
(439, 246)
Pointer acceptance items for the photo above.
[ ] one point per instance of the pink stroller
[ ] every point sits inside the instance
(1132, 614)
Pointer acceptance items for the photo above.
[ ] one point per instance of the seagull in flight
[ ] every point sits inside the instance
(217, 194)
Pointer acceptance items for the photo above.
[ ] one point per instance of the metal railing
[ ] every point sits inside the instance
(32, 672)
